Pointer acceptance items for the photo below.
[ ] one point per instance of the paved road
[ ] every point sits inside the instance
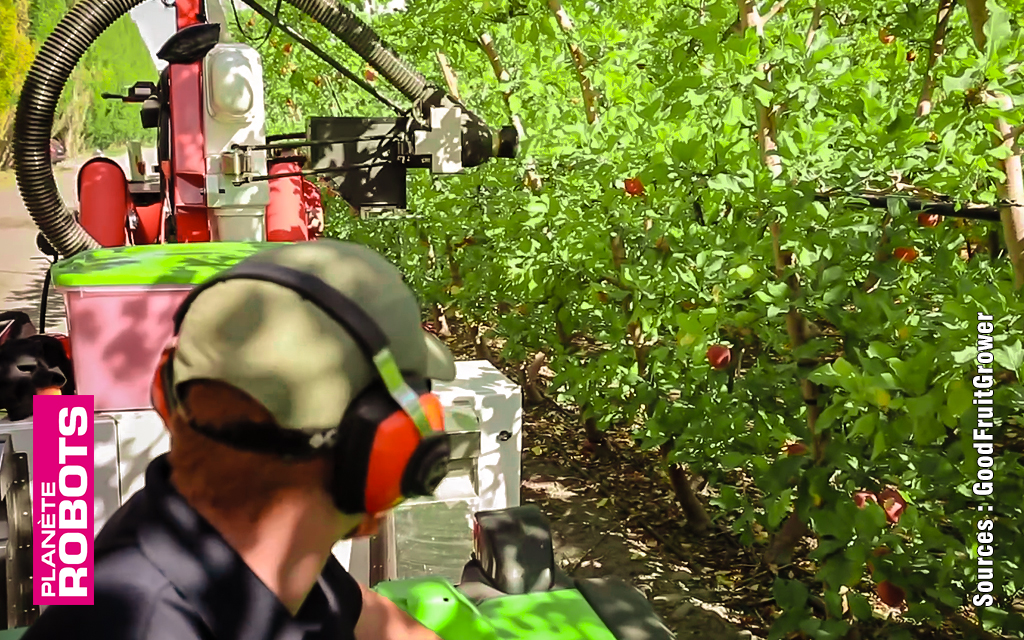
(22, 266)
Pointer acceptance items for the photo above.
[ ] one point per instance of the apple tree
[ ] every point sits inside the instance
(707, 174)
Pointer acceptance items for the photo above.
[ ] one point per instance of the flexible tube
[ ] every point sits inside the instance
(33, 123)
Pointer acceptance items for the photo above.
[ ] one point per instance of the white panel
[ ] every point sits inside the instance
(354, 555)
(141, 437)
(498, 402)
(235, 114)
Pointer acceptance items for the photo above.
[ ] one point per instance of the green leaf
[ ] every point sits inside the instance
(832, 630)
(734, 113)
(778, 509)
(881, 350)
(725, 182)
(900, 123)
(869, 521)
(865, 425)
(743, 272)
(959, 397)
(1010, 356)
(997, 29)
(834, 603)
(830, 415)
(958, 84)
(844, 369)
(860, 607)
(789, 594)
(840, 570)
(879, 445)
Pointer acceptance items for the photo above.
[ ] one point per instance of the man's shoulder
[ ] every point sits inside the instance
(133, 600)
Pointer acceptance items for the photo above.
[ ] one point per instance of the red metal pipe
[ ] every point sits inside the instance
(188, 155)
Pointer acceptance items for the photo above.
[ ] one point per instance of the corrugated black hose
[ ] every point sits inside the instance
(82, 26)
(33, 123)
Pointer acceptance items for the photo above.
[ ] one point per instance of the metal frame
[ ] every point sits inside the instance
(16, 532)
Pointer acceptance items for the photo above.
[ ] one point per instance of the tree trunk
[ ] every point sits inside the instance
(1011, 191)
(696, 517)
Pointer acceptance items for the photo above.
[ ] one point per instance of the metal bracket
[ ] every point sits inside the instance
(443, 141)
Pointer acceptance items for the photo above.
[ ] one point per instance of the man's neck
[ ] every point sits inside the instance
(286, 547)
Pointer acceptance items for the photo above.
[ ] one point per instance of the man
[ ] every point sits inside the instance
(232, 544)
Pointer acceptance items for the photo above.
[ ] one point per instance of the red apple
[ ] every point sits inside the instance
(634, 186)
(905, 254)
(287, 48)
(795, 449)
(928, 219)
(885, 36)
(861, 498)
(890, 594)
(719, 356)
(370, 73)
(893, 504)
(911, 56)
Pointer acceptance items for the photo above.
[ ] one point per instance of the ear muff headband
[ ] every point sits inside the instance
(364, 331)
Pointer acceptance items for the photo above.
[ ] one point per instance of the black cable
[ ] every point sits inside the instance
(310, 172)
(46, 296)
(241, 31)
(320, 53)
(275, 146)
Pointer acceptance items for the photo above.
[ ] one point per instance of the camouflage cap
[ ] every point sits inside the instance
(289, 355)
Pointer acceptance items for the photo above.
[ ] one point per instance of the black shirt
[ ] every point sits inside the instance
(163, 573)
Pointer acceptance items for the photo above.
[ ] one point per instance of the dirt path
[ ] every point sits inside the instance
(22, 266)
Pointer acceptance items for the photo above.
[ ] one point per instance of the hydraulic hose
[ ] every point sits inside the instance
(344, 24)
(33, 124)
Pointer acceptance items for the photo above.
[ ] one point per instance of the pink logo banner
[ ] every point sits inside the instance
(63, 496)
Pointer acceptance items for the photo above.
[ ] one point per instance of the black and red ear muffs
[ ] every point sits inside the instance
(382, 458)
(162, 392)
(391, 443)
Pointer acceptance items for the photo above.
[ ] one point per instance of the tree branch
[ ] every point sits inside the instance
(487, 44)
(531, 179)
(924, 105)
(450, 79)
(579, 61)
(812, 29)
(774, 11)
